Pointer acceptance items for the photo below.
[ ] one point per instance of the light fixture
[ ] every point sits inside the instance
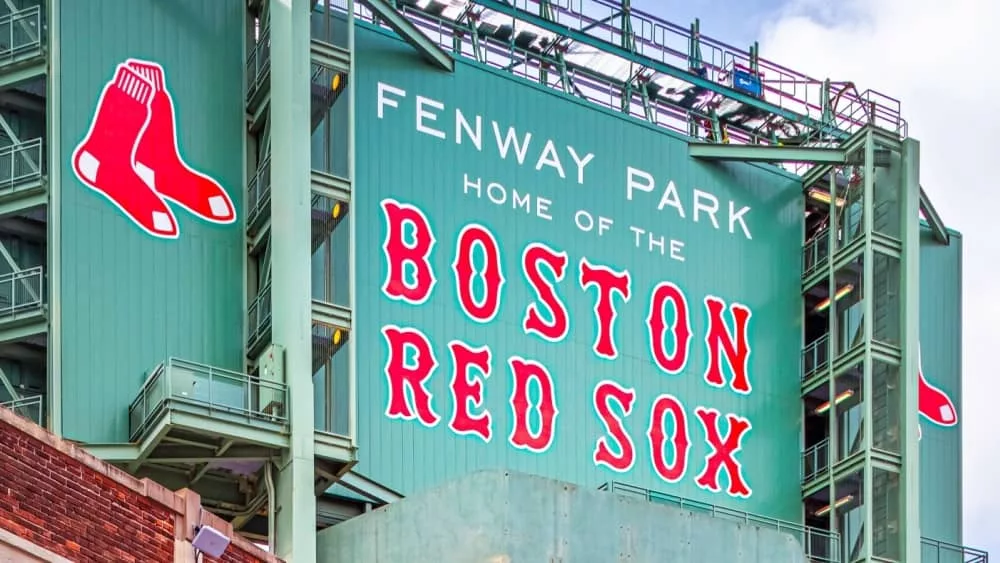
(824, 197)
(836, 400)
(210, 541)
(840, 502)
(841, 293)
(338, 337)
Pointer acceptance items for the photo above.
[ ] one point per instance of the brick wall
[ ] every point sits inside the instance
(57, 497)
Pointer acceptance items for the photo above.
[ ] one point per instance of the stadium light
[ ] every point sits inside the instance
(841, 293)
(840, 502)
(837, 400)
(824, 197)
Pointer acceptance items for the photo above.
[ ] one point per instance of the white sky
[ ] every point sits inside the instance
(937, 57)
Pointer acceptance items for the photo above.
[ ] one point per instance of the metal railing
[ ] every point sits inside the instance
(21, 291)
(815, 460)
(815, 252)
(935, 551)
(21, 34)
(259, 193)
(259, 316)
(655, 39)
(820, 546)
(258, 64)
(31, 408)
(815, 356)
(21, 165)
(179, 383)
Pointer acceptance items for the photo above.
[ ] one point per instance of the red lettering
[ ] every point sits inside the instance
(473, 235)
(534, 256)
(402, 374)
(398, 254)
(663, 406)
(463, 390)
(607, 282)
(521, 436)
(605, 392)
(720, 340)
(723, 452)
(658, 328)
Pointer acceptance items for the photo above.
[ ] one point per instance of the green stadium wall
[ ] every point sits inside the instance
(428, 170)
(941, 358)
(129, 300)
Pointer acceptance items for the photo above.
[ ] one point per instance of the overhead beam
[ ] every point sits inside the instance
(658, 66)
(767, 153)
(189, 454)
(411, 34)
(367, 488)
(938, 229)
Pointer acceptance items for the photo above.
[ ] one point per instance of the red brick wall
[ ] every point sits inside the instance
(61, 499)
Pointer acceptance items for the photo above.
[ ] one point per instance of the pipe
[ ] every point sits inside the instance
(269, 484)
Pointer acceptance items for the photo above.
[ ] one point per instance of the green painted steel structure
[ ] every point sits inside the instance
(90, 305)
(431, 172)
(136, 292)
(941, 350)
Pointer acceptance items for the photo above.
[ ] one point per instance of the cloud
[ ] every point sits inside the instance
(936, 57)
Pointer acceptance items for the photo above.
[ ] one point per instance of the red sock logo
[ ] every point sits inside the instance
(934, 404)
(105, 160)
(130, 155)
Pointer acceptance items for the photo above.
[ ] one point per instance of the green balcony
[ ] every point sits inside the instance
(22, 304)
(196, 397)
(22, 45)
(22, 176)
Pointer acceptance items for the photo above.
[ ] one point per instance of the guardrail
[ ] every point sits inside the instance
(934, 551)
(259, 316)
(801, 97)
(820, 546)
(259, 193)
(21, 291)
(21, 164)
(31, 408)
(21, 33)
(815, 460)
(815, 356)
(258, 64)
(181, 384)
(815, 252)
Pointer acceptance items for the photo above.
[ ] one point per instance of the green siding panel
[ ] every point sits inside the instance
(941, 348)
(129, 300)
(394, 160)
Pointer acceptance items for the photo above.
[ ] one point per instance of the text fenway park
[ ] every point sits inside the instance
(409, 398)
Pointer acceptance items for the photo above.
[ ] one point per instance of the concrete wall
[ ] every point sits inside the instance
(503, 517)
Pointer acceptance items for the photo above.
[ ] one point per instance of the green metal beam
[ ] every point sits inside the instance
(658, 66)
(938, 229)
(291, 259)
(766, 153)
(411, 34)
(911, 197)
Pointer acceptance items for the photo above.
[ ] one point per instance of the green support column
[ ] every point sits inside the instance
(869, 298)
(295, 532)
(910, 489)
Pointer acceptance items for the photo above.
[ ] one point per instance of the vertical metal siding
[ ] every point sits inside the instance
(941, 346)
(396, 161)
(128, 300)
